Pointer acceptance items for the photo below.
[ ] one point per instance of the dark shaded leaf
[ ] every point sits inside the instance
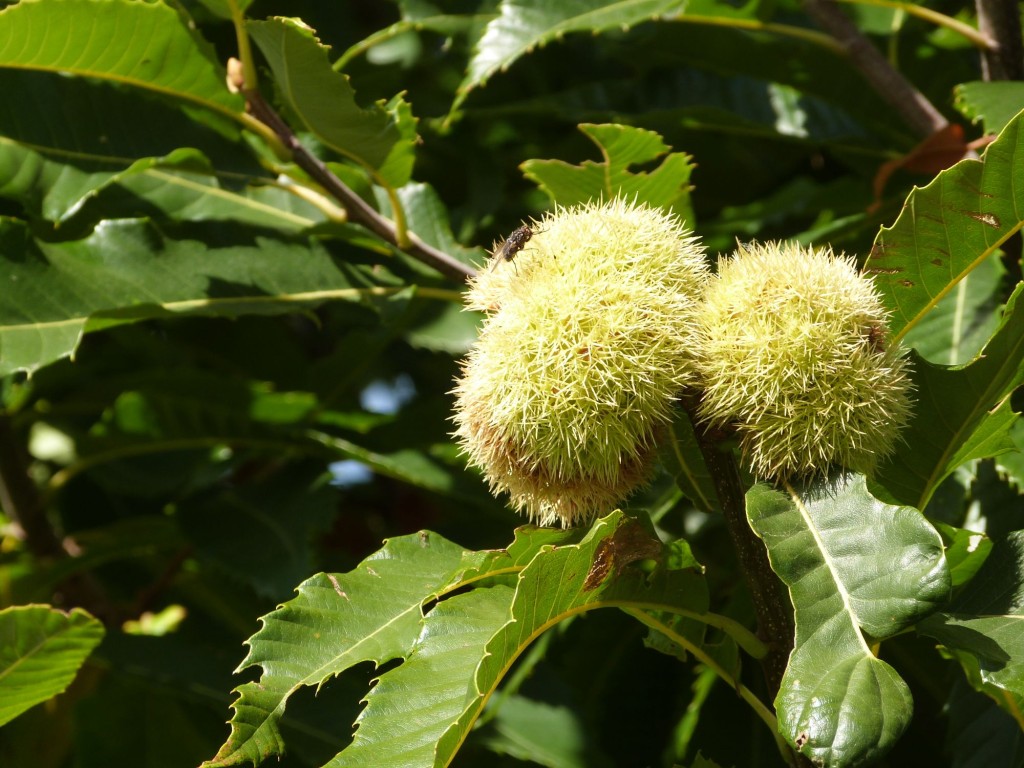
(129, 271)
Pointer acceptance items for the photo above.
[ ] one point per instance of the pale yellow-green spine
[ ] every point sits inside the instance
(587, 342)
(793, 355)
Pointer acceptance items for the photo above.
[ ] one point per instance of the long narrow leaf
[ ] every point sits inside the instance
(129, 271)
(146, 45)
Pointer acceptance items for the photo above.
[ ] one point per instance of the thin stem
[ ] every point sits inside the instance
(359, 211)
(978, 38)
(744, 693)
(755, 25)
(912, 106)
(249, 72)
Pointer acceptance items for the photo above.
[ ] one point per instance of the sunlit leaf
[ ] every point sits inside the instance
(146, 45)
(622, 146)
(561, 582)
(856, 569)
(955, 331)
(41, 651)
(373, 613)
(380, 138)
(966, 552)
(948, 228)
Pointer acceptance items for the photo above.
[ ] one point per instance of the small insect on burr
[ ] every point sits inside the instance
(512, 245)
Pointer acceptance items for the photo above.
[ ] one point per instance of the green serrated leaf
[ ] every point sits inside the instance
(961, 413)
(41, 651)
(410, 707)
(852, 565)
(145, 45)
(666, 187)
(129, 271)
(373, 613)
(379, 138)
(956, 330)
(567, 580)
(523, 25)
(995, 104)
(947, 229)
(419, 713)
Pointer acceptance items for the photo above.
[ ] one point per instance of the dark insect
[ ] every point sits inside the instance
(876, 338)
(512, 245)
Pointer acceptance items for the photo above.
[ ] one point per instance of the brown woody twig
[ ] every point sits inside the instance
(357, 208)
(915, 109)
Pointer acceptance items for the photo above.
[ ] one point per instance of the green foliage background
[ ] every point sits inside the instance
(216, 388)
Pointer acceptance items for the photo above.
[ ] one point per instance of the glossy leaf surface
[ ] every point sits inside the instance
(856, 569)
(948, 228)
(146, 45)
(961, 413)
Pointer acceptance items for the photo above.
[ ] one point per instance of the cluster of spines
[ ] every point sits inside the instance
(579, 362)
(611, 312)
(792, 355)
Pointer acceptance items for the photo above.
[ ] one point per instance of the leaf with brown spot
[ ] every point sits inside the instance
(948, 228)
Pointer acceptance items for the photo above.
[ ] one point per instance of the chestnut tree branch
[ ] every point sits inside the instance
(913, 107)
(358, 210)
(772, 606)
